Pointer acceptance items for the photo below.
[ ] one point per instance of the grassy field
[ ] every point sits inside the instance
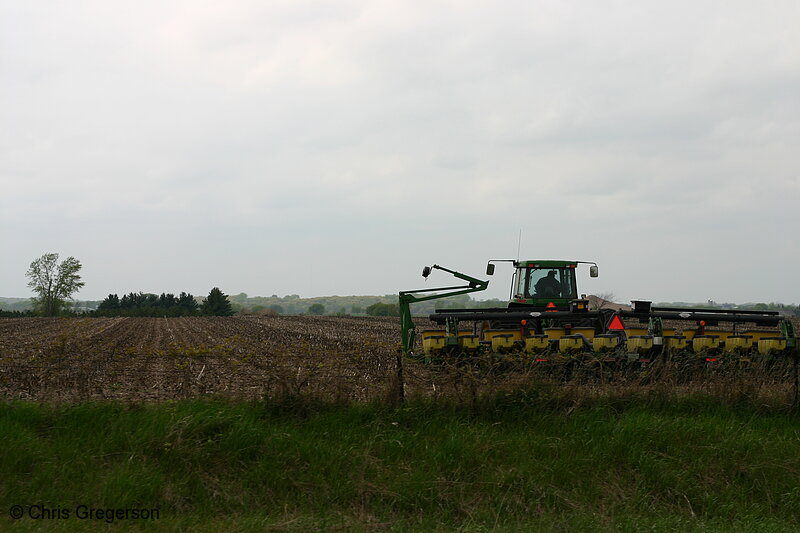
(537, 461)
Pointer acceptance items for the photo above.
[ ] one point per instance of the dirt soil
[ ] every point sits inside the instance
(167, 358)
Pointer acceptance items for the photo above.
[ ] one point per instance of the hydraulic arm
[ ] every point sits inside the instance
(408, 330)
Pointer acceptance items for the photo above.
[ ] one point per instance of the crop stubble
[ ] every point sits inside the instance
(338, 358)
(247, 357)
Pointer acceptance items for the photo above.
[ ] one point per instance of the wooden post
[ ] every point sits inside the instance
(796, 398)
(401, 386)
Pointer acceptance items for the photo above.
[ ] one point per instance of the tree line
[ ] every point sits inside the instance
(167, 304)
(55, 282)
(385, 305)
(17, 314)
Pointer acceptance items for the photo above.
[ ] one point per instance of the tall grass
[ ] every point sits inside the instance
(534, 461)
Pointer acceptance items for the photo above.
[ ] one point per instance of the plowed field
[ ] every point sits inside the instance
(326, 358)
(168, 358)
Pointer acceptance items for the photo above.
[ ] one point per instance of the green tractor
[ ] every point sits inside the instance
(537, 285)
(546, 319)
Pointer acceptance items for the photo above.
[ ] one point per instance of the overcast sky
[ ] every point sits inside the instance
(319, 148)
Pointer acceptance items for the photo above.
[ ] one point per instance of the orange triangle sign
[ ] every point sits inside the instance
(616, 324)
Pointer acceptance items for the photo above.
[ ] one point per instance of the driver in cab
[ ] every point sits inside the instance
(548, 286)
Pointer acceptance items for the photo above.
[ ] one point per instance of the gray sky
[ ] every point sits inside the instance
(325, 148)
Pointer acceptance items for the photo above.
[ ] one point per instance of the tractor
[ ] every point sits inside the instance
(546, 320)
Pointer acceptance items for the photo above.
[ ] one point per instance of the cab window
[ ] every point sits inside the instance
(550, 283)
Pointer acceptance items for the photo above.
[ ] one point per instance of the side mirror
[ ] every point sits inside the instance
(490, 269)
(593, 271)
(426, 272)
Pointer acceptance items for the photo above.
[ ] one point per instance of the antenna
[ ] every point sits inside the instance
(519, 243)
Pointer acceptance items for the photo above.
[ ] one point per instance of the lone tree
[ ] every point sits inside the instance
(216, 304)
(53, 282)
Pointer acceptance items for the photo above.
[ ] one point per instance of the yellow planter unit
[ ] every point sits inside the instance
(469, 343)
(639, 344)
(502, 342)
(738, 343)
(705, 342)
(536, 343)
(570, 344)
(771, 345)
(433, 343)
(675, 343)
(605, 343)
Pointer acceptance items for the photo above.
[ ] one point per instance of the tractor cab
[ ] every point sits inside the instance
(549, 284)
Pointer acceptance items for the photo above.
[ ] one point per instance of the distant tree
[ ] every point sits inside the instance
(316, 309)
(53, 282)
(277, 308)
(216, 304)
(167, 301)
(126, 302)
(187, 304)
(356, 310)
(110, 303)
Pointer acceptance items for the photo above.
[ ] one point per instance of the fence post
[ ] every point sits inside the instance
(401, 386)
(796, 398)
